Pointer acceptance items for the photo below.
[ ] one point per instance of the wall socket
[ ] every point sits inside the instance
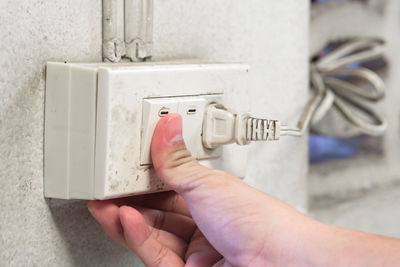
(191, 109)
(100, 118)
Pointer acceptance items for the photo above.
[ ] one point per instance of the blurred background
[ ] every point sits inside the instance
(355, 182)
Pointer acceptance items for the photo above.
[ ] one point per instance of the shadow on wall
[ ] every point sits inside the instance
(85, 240)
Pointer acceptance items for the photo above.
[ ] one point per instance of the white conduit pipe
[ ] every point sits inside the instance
(138, 29)
(127, 30)
(113, 44)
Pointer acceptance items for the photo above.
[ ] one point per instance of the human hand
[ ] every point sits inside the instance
(211, 217)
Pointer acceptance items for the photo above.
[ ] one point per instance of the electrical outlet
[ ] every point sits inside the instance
(191, 109)
(100, 118)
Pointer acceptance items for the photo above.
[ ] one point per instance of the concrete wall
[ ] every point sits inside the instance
(270, 35)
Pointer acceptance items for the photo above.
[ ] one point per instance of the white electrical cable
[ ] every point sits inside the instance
(222, 126)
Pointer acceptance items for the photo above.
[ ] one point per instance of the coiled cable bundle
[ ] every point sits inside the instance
(331, 84)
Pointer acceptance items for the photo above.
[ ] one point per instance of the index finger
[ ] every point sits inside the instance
(165, 201)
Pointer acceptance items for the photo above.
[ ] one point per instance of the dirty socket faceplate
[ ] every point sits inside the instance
(93, 122)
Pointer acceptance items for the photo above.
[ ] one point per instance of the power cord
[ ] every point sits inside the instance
(223, 126)
(331, 84)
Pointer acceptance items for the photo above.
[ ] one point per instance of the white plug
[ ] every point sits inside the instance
(222, 126)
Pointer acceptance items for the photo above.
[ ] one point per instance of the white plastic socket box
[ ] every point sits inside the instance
(99, 121)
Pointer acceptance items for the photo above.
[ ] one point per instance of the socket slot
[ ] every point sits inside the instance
(163, 112)
(191, 111)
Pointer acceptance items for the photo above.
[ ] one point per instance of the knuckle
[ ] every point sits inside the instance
(174, 203)
(161, 253)
(159, 220)
(203, 177)
(178, 158)
(154, 233)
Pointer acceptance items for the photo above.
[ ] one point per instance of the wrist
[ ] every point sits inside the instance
(292, 241)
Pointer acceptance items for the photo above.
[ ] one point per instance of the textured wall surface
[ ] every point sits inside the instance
(272, 36)
(376, 212)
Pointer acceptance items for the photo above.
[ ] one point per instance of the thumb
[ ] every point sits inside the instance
(219, 203)
(172, 162)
